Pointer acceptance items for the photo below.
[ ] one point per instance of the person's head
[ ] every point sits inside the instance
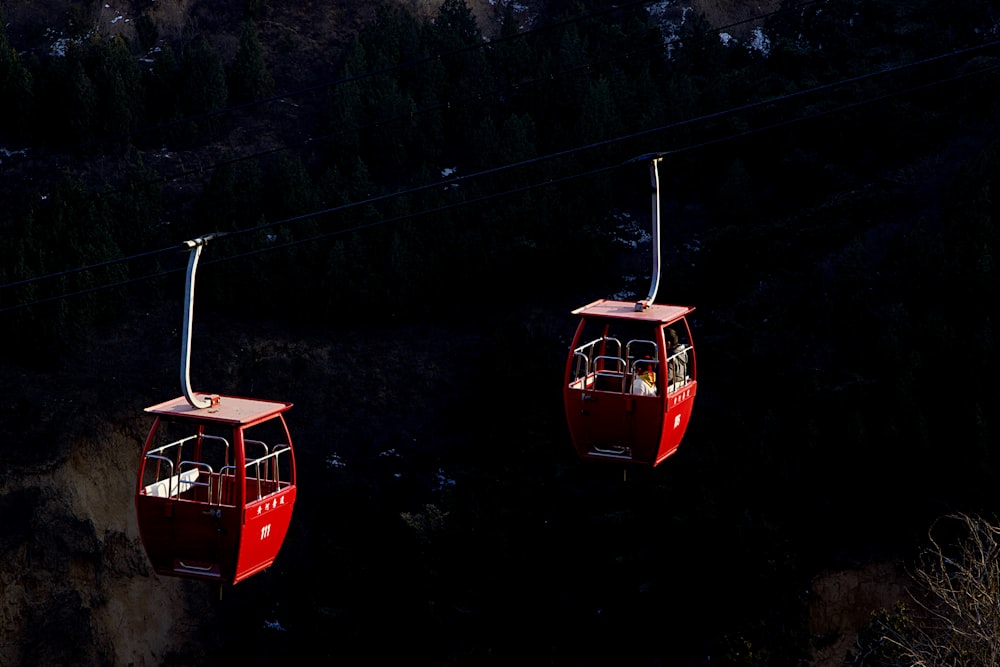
(672, 338)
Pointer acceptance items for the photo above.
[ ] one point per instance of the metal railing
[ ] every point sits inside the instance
(264, 472)
(585, 356)
(609, 371)
(177, 467)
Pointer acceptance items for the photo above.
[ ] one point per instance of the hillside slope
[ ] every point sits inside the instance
(302, 38)
(384, 420)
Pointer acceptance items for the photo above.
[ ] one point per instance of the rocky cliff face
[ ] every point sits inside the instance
(75, 587)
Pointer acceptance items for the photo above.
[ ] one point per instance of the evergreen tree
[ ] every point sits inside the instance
(118, 87)
(343, 111)
(16, 90)
(390, 135)
(520, 139)
(233, 199)
(249, 78)
(203, 88)
(455, 27)
(455, 35)
(72, 229)
(147, 32)
(163, 101)
(80, 105)
(562, 96)
(598, 113)
(514, 62)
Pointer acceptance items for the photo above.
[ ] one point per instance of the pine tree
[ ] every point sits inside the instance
(15, 90)
(80, 105)
(249, 78)
(202, 87)
(118, 87)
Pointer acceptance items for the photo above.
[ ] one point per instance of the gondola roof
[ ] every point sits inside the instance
(229, 410)
(625, 310)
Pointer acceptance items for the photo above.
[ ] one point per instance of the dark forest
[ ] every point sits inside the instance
(407, 215)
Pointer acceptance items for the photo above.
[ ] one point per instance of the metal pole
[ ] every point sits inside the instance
(195, 247)
(654, 177)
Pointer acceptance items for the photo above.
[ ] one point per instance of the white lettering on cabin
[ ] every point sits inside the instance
(270, 505)
(265, 531)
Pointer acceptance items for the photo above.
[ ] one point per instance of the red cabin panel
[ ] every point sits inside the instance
(264, 532)
(216, 488)
(615, 410)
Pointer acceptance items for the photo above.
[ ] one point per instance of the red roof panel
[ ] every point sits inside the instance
(625, 310)
(229, 410)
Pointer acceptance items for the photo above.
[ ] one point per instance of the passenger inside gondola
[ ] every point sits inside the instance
(644, 383)
(677, 360)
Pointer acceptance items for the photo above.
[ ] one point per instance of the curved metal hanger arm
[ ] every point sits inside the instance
(654, 177)
(194, 247)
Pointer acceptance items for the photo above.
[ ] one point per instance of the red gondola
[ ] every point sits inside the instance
(631, 376)
(216, 483)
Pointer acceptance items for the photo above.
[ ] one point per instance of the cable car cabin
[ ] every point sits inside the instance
(216, 488)
(629, 388)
